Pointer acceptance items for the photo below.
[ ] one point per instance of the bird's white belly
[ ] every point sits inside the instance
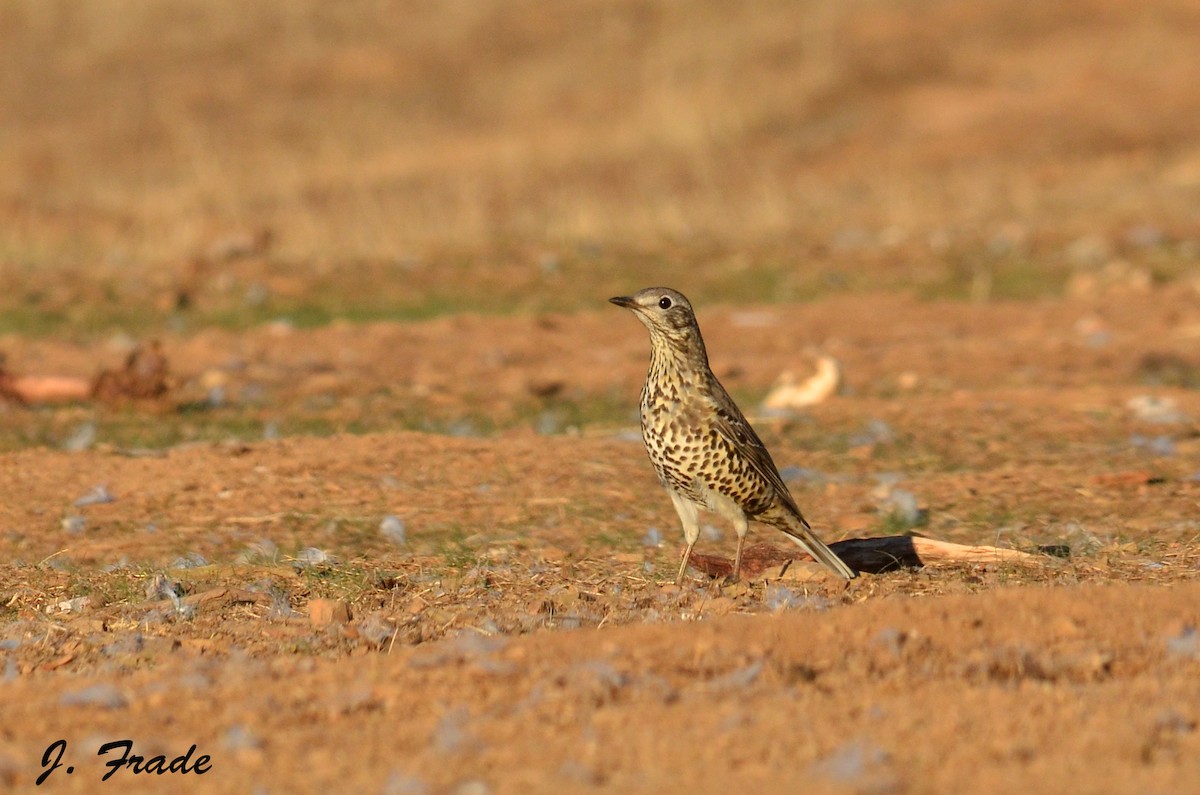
(718, 503)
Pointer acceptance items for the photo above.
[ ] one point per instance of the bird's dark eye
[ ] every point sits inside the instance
(664, 303)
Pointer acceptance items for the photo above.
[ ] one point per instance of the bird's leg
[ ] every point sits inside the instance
(740, 526)
(687, 555)
(689, 517)
(737, 559)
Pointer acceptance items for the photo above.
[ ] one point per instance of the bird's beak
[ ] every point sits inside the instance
(623, 300)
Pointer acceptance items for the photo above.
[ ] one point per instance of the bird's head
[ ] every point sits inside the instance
(667, 313)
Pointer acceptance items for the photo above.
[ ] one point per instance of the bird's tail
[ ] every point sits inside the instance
(798, 530)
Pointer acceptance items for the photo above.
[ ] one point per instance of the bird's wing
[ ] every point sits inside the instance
(733, 426)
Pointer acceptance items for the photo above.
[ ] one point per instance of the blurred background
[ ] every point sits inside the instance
(176, 165)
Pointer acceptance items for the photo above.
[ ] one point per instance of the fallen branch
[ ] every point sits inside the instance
(143, 377)
(867, 555)
(27, 389)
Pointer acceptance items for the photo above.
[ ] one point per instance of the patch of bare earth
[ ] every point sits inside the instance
(245, 594)
(1091, 688)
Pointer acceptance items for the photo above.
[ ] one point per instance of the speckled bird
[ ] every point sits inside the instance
(702, 447)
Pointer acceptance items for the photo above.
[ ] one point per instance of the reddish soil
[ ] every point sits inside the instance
(385, 524)
(524, 637)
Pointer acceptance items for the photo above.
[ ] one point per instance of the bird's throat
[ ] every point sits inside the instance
(678, 361)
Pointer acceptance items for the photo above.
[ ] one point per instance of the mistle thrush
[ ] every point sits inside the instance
(703, 448)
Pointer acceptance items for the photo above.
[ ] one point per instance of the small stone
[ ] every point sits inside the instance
(548, 423)
(394, 530)
(193, 560)
(853, 763)
(323, 612)
(281, 606)
(462, 429)
(311, 556)
(874, 432)
(738, 679)
(216, 397)
(376, 631)
(104, 696)
(263, 549)
(83, 438)
(99, 495)
(779, 597)
(890, 639)
(1185, 644)
(239, 738)
(452, 734)
(75, 605)
(74, 524)
(257, 294)
(1151, 408)
(1162, 446)
(901, 505)
(161, 587)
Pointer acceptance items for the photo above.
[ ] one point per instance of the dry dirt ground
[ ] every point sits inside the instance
(391, 528)
(522, 635)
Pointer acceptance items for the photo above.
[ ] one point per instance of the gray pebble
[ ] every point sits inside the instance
(394, 530)
(99, 495)
(102, 695)
(74, 524)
